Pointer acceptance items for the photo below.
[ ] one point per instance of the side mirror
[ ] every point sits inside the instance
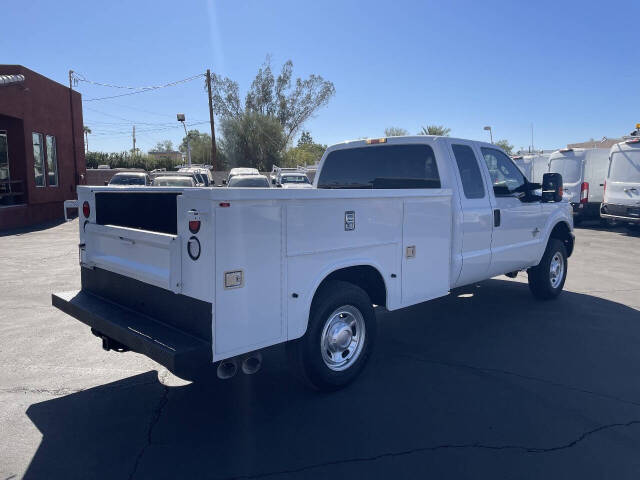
(273, 181)
(552, 187)
(224, 182)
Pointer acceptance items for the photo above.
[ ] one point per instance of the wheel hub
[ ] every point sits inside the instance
(342, 338)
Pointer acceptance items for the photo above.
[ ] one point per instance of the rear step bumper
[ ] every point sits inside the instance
(181, 353)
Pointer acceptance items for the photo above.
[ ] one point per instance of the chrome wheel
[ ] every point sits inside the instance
(342, 338)
(556, 270)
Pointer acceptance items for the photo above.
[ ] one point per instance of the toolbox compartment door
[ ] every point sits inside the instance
(150, 257)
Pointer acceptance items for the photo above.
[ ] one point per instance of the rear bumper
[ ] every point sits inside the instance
(179, 352)
(618, 212)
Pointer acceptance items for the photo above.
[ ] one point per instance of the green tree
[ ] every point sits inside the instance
(162, 147)
(395, 132)
(252, 139)
(505, 145)
(86, 130)
(440, 130)
(306, 153)
(200, 146)
(291, 103)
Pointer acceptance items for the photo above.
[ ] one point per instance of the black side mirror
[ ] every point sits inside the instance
(224, 182)
(273, 181)
(552, 187)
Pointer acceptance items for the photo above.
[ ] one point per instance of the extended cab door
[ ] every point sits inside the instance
(518, 221)
(475, 221)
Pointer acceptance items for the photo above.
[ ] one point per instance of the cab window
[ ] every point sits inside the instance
(472, 182)
(506, 178)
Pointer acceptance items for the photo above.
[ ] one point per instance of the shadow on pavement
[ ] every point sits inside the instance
(484, 382)
(32, 228)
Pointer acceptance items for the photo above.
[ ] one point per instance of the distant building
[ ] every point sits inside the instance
(604, 143)
(41, 147)
(175, 156)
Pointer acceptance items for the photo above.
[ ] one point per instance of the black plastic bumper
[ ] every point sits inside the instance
(181, 353)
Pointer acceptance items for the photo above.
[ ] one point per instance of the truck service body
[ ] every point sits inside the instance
(195, 276)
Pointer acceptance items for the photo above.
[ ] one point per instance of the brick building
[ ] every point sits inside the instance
(41, 147)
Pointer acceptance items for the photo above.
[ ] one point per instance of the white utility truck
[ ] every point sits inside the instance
(583, 171)
(196, 277)
(622, 186)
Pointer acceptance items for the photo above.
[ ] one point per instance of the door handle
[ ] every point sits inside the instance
(496, 217)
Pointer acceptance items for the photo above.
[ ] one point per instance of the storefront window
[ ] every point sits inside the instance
(38, 159)
(52, 162)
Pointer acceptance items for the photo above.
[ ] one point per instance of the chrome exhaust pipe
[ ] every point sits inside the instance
(227, 368)
(251, 363)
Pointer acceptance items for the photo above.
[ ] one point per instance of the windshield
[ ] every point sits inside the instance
(569, 168)
(128, 180)
(294, 179)
(625, 167)
(248, 182)
(173, 182)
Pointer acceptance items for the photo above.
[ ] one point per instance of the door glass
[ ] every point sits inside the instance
(4, 157)
(470, 175)
(38, 159)
(505, 176)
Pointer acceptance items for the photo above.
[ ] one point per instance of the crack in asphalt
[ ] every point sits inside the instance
(520, 375)
(433, 448)
(155, 418)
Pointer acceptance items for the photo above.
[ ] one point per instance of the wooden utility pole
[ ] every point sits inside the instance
(73, 129)
(213, 131)
(133, 152)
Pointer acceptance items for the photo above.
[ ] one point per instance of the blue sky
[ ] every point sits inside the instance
(567, 67)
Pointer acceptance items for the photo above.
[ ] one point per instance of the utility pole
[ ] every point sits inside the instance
(213, 131)
(73, 128)
(133, 152)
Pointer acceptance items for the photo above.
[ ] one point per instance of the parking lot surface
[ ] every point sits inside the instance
(484, 383)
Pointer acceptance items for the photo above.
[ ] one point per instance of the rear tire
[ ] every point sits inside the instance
(339, 337)
(546, 279)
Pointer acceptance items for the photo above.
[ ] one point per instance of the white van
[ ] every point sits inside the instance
(533, 166)
(583, 171)
(622, 188)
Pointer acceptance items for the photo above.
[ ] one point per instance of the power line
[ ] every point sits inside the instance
(136, 90)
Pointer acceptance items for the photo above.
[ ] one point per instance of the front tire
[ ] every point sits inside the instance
(546, 279)
(339, 337)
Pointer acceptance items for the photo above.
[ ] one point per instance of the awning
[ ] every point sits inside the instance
(6, 80)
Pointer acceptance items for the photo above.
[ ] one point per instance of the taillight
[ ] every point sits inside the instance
(584, 192)
(194, 226)
(604, 190)
(86, 209)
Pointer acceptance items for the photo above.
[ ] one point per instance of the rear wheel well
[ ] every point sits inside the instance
(366, 277)
(562, 232)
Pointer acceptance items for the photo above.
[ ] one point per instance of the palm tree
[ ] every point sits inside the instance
(440, 130)
(86, 131)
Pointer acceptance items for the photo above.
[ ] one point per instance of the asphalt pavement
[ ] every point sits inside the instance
(484, 383)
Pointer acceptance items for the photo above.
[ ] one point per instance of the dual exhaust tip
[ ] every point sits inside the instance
(249, 364)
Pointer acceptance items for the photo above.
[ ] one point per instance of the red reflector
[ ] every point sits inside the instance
(86, 210)
(194, 226)
(225, 204)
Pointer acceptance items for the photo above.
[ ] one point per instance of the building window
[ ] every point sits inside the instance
(38, 159)
(52, 162)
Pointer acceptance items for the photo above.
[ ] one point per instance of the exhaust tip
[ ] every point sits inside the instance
(227, 368)
(251, 363)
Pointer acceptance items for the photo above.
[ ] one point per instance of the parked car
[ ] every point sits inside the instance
(293, 180)
(393, 222)
(173, 181)
(250, 181)
(196, 177)
(204, 174)
(583, 171)
(621, 200)
(240, 171)
(130, 178)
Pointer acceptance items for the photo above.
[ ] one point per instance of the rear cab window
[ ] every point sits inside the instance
(381, 167)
